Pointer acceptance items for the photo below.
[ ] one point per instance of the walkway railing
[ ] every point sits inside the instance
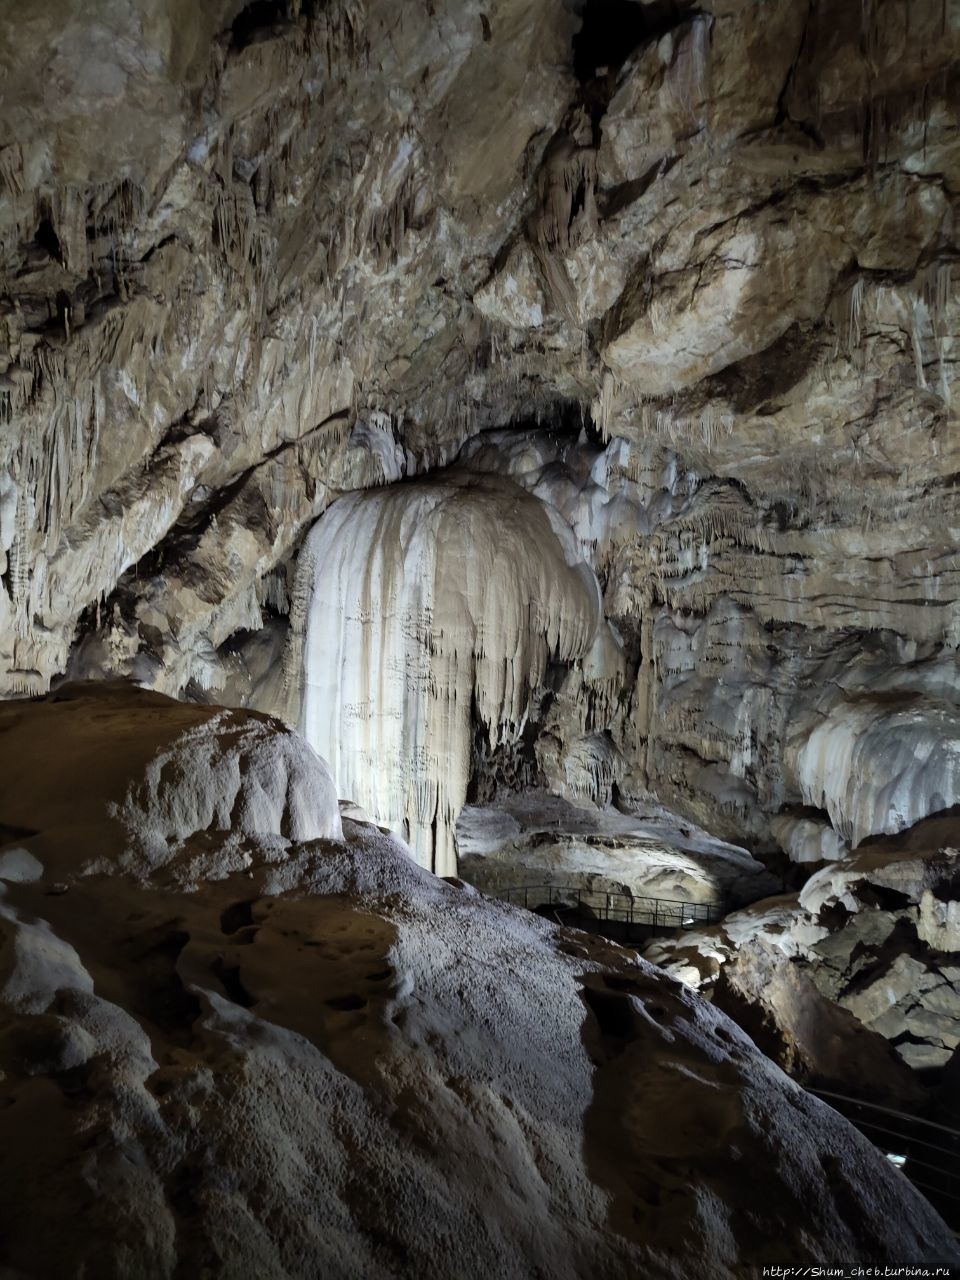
(926, 1151)
(614, 908)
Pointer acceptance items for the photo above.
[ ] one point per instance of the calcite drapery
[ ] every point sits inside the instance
(420, 608)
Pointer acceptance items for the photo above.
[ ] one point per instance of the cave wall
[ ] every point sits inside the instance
(257, 258)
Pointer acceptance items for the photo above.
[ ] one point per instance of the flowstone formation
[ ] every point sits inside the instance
(313, 1057)
(421, 609)
(166, 772)
(551, 407)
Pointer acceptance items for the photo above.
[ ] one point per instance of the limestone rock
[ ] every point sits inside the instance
(811, 1037)
(919, 746)
(772, 925)
(749, 283)
(514, 295)
(253, 260)
(679, 294)
(321, 1064)
(939, 922)
(867, 931)
(541, 840)
(901, 872)
(808, 840)
(158, 773)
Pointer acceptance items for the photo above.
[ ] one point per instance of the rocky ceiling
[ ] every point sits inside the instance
(685, 272)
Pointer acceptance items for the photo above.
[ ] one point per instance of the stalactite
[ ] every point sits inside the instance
(925, 303)
(272, 591)
(712, 424)
(919, 320)
(11, 169)
(567, 187)
(603, 405)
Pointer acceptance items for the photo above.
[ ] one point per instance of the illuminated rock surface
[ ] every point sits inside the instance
(538, 839)
(331, 1062)
(161, 773)
(421, 610)
(258, 258)
(874, 932)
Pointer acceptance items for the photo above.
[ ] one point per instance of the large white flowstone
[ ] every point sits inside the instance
(878, 768)
(421, 610)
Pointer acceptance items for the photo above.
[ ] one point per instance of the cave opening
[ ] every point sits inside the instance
(612, 29)
(47, 239)
(259, 20)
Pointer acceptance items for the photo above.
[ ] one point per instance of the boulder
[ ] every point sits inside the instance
(164, 783)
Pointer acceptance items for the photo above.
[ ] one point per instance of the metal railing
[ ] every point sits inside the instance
(926, 1151)
(614, 908)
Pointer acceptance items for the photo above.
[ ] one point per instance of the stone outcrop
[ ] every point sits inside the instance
(819, 1042)
(167, 772)
(542, 840)
(322, 1060)
(873, 933)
